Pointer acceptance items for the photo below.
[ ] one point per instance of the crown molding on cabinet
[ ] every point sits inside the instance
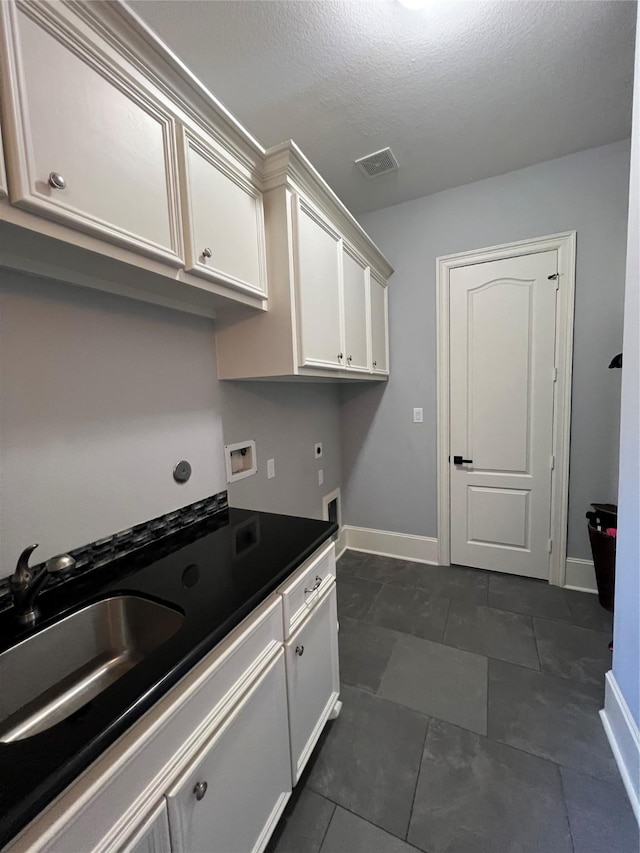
(286, 165)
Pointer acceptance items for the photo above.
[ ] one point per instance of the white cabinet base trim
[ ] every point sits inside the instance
(580, 575)
(624, 739)
(418, 549)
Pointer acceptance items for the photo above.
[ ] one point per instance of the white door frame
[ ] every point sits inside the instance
(565, 243)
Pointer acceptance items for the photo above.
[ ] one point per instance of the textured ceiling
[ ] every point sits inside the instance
(460, 90)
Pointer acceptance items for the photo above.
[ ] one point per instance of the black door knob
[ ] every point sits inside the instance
(458, 460)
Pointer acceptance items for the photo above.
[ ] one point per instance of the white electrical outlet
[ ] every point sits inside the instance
(418, 416)
(317, 452)
(320, 476)
(271, 469)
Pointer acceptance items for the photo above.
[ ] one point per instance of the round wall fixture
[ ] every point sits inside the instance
(182, 471)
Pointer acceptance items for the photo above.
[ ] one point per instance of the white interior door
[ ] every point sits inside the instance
(502, 374)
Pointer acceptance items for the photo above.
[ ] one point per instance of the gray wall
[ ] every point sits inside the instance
(286, 420)
(389, 463)
(626, 646)
(100, 396)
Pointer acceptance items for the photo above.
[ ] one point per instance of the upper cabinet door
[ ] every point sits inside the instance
(379, 326)
(318, 254)
(224, 218)
(355, 283)
(87, 147)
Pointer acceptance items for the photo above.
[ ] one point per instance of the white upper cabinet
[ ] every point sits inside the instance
(318, 257)
(125, 174)
(355, 286)
(89, 148)
(223, 218)
(379, 326)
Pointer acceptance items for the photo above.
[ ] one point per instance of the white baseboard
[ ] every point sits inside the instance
(403, 546)
(580, 575)
(624, 738)
(341, 543)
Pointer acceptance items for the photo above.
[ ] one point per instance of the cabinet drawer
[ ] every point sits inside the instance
(304, 589)
(103, 806)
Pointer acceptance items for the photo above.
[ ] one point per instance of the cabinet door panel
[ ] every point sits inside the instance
(318, 258)
(355, 284)
(153, 835)
(112, 145)
(224, 216)
(379, 327)
(247, 773)
(313, 683)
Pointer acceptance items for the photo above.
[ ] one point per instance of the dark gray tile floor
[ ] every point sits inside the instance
(470, 721)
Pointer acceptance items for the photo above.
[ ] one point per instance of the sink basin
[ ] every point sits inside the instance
(53, 673)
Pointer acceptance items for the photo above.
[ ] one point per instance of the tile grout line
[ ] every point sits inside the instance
(333, 814)
(446, 625)
(415, 789)
(535, 641)
(337, 806)
(371, 606)
(566, 806)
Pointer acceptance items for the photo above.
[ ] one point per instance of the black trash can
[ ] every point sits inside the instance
(604, 518)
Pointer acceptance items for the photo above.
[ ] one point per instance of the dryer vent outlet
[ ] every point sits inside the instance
(379, 163)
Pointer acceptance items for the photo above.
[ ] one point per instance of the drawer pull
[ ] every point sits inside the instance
(200, 790)
(314, 587)
(57, 181)
(299, 651)
(207, 253)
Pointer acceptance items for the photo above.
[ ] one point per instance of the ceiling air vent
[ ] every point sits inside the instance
(378, 163)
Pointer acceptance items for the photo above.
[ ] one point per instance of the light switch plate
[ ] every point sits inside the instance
(320, 476)
(418, 417)
(271, 469)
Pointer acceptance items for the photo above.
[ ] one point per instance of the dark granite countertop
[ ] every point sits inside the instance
(215, 573)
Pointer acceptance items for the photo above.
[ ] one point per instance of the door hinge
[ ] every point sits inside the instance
(553, 461)
(550, 545)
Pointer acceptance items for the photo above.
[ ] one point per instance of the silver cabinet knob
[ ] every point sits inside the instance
(300, 651)
(349, 358)
(207, 253)
(375, 363)
(200, 790)
(57, 181)
(340, 356)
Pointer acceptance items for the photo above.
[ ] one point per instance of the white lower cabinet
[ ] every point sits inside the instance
(153, 835)
(232, 795)
(312, 678)
(210, 767)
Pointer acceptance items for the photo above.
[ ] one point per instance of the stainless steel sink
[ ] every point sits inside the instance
(53, 673)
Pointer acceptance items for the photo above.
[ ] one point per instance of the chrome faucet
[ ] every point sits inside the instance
(25, 585)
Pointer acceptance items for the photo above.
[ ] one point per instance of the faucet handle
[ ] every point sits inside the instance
(61, 563)
(23, 572)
